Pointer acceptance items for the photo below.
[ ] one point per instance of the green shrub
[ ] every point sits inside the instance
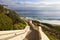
(5, 22)
(10, 20)
(51, 37)
(19, 26)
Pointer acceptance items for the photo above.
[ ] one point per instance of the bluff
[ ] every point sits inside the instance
(10, 20)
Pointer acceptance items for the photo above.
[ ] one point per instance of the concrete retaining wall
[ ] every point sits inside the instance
(14, 34)
(43, 35)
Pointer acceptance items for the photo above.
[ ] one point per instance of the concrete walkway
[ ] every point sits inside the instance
(33, 34)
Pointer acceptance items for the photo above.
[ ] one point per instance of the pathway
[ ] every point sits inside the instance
(33, 34)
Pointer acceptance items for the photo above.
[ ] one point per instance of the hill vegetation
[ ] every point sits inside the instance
(10, 20)
(53, 32)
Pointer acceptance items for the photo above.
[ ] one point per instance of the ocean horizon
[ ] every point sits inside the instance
(39, 14)
(47, 16)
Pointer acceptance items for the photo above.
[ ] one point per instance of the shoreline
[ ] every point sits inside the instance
(56, 22)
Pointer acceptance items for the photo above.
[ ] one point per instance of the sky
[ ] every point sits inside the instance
(45, 5)
(36, 4)
(29, 2)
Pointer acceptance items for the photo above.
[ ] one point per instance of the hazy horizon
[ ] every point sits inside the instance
(35, 8)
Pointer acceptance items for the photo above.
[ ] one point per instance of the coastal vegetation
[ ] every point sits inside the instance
(10, 20)
(53, 32)
(36, 23)
(49, 33)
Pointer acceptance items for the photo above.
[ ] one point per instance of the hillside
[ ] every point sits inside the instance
(10, 20)
(51, 30)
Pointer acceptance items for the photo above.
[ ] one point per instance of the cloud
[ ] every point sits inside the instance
(39, 4)
(43, 5)
(48, 9)
(29, 4)
(8, 2)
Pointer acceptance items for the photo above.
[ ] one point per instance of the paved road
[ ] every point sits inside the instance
(33, 34)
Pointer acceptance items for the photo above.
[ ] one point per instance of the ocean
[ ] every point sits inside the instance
(47, 16)
(40, 14)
